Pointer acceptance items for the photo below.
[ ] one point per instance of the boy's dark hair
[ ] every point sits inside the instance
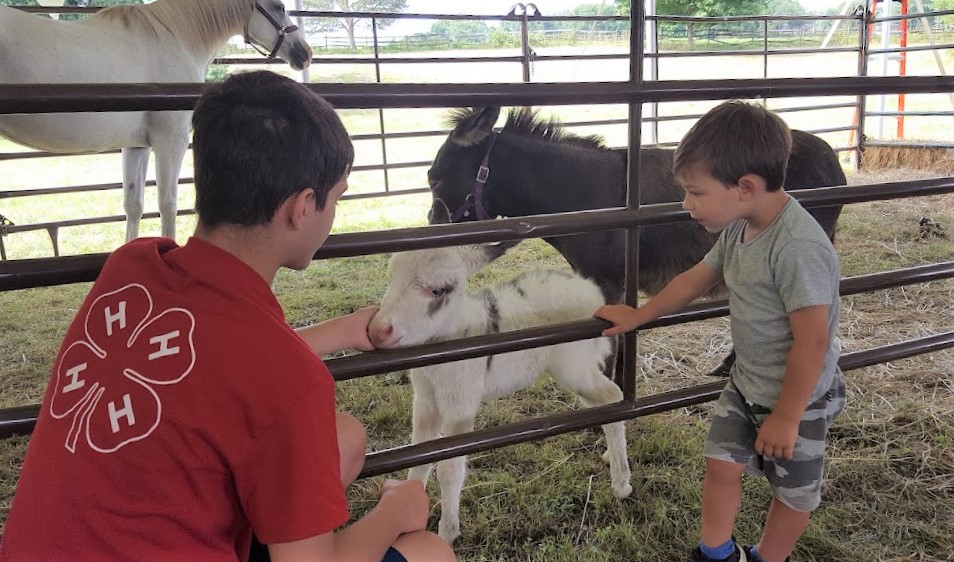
(260, 138)
(737, 138)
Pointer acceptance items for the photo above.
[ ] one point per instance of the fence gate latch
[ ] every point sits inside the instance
(4, 224)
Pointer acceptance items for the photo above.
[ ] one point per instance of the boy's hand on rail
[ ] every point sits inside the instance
(624, 318)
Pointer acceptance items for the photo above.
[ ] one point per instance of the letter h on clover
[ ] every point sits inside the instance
(105, 382)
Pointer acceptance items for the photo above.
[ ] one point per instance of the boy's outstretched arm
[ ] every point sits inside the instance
(683, 289)
(802, 370)
(344, 332)
(403, 508)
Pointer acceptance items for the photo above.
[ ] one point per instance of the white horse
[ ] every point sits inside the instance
(167, 41)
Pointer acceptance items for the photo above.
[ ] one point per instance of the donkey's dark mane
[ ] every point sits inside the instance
(527, 122)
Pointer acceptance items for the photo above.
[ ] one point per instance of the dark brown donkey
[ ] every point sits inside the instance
(534, 167)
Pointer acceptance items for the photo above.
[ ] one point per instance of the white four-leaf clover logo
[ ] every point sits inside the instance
(105, 382)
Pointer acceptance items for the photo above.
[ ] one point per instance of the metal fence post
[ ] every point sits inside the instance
(306, 72)
(377, 78)
(4, 223)
(864, 17)
(652, 34)
(765, 54)
(523, 10)
(637, 25)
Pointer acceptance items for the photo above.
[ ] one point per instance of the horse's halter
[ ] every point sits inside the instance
(475, 199)
(282, 32)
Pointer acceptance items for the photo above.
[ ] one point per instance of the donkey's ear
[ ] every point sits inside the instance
(477, 256)
(475, 126)
(494, 251)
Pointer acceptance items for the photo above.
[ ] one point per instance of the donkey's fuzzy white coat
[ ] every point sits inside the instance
(427, 300)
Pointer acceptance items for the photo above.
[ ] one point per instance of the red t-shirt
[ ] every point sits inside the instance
(182, 413)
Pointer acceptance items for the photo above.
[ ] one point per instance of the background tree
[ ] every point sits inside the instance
(22, 3)
(458, 28)
(71, 4)
(785, 8)
(314, 25)
(603, 9)
(91, 4)
(934, 5)
(700, 8)
(548, 25)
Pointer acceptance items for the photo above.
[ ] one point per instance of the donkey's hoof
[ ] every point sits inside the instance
(623, 492)
(449, 532)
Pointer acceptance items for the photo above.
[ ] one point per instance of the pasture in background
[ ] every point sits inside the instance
(409, 210)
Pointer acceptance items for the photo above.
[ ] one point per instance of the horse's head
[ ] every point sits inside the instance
(455, 176)
(269, 28)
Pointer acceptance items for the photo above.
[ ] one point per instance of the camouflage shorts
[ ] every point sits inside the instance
(796, 482)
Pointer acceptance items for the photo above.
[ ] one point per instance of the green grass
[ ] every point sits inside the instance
(890, 492)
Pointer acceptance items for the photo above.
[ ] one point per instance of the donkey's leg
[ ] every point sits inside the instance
(594, 389)
(450, 475)
(135, 162)
(724, 369)
(170, 143)
(425, 420)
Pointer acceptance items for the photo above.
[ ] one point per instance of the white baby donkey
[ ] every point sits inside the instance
(427, 300)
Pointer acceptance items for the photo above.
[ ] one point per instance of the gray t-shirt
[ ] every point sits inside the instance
(791, 265)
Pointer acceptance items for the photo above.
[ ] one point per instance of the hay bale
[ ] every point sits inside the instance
(920, 155)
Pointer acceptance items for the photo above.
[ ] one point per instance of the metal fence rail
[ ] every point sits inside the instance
(47, 272)
(20, 420)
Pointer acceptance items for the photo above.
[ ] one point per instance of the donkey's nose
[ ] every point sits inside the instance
(381, 334)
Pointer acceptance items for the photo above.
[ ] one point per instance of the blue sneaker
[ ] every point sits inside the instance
(740, 555)
(754, 557)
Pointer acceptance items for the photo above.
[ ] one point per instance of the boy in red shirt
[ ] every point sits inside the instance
(183, 412)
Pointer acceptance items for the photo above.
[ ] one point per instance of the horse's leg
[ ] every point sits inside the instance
(135, 162)
(170, 149)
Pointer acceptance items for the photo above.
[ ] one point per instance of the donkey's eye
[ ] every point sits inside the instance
(436, 292)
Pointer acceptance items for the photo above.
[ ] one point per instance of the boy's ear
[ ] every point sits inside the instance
(750, 185)
(297, 207)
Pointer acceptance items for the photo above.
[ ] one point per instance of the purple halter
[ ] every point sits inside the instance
(282, 32)
(475, 199)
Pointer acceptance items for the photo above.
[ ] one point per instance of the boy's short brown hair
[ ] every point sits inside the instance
(736, 138)
(260, 138)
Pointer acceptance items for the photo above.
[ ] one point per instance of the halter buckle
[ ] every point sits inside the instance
(282, 32)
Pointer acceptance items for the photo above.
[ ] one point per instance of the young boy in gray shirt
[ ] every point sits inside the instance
(782, 274)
